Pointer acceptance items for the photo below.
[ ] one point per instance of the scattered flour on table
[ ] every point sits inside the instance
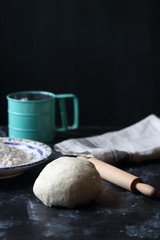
(12, 156)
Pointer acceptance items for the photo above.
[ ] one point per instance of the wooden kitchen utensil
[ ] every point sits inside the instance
(120, 177)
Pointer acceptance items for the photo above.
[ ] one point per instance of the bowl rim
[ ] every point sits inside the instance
(36, 144)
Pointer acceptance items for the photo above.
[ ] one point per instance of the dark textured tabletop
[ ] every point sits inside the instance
(117, 213)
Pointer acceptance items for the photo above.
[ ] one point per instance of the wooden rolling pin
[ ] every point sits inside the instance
(121, 178)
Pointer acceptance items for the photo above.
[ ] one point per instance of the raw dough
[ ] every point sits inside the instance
(68, 182)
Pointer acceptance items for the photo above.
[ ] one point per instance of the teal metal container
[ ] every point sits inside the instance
(31, 115)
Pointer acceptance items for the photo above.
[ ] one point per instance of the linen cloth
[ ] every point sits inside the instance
(137, 143)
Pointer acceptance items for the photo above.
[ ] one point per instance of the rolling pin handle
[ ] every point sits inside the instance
(145, 189)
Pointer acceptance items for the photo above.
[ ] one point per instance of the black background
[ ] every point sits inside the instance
(106, 52)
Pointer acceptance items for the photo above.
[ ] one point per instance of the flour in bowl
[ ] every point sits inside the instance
(12, 156)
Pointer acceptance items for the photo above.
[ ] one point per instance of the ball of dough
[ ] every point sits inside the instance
(68, 182)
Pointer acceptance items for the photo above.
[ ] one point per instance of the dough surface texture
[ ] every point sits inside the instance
(68, 182)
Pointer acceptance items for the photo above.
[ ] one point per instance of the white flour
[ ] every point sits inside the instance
(11, 156)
